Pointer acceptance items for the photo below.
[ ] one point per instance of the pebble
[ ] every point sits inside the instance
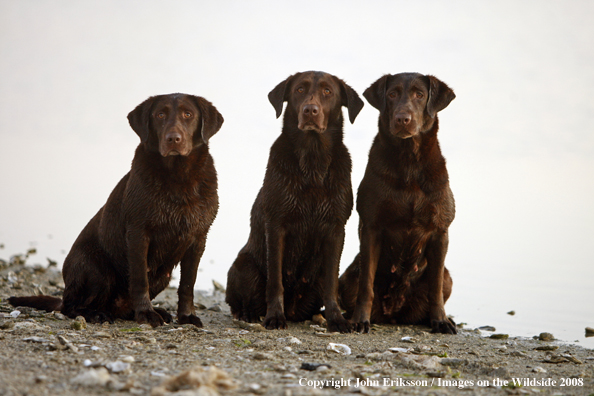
(512, 313)
(410, 340)
(487, 328)
(546, 337)
(79, 323)
(518, 354)
(339, 348)
(93, 377)
(117, 366)
(453, 362)
(539, 369)
(399, 350)
(15, 314)
(499, 336)
(547, 348)
(6, 324)
(38, 340)
(290, 340)
(262, 356)
(589, 332)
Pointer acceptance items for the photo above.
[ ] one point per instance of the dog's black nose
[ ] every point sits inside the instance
(311, 109)
(402, 119)
(173, 137)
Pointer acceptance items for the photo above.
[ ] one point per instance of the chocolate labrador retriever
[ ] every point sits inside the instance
(289, 267)
(157, 215)
(405, 207)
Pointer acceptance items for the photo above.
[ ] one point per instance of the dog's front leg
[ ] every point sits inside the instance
(144, 312)
(370, 251)
(331, 261)
(435, 252)
(185, 292)
(275, 246)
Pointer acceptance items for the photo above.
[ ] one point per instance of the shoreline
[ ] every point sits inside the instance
(46, 353)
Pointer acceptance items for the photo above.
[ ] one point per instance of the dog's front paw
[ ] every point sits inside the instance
(341, 325)
(445, 326)
(190, 319)
(360, 321)
(151, 317)
(275, 320)
(164, 314)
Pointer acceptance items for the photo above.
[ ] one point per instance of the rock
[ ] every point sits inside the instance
(409, 340)
(546, 337)
(248, 326)
(421, 361)
(487, 328)
(6, 325)
(589, 332)
(218, 287)
(399, 350)
(15, 314)
(572, 359)
(339, 348)
(547, 348)
(538, 369)
(208, 380)
(79, 323)
(499, 336)
(262, 356)
(38, 340)
(93, 378)
(314, 366)
(290, 340)
(117, 366)
(512, 313)
(518, 354)
(452, 362)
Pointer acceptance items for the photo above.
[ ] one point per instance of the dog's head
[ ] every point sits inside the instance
(175, 124)
(408, 102)
(315, 99)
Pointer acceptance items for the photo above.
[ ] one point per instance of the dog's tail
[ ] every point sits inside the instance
(45, 303)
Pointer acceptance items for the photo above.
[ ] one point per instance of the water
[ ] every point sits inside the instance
(518, 138)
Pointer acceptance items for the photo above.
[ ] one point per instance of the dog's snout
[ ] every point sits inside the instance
(173, 137)
(402, 119)
(311, 109)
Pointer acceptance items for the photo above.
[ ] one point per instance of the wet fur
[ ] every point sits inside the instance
(158, 215)
(405, 207)
(288, 269)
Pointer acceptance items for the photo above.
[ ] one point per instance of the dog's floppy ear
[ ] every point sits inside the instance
(211, 118)
(440, 96)
(277, 96)
(376, 93)
(139, 118)
(351, 100)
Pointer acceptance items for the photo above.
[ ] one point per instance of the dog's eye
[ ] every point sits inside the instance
(392, 95)
(300, 90)
(160, 115)
(187, 114)
(327, 91)
(419, 95)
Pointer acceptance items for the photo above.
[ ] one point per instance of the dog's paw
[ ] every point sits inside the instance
(446, 326)
(275, 321)
(341, 325)
(150, 317)
(361, 327)
(164, 314)
(190, 319)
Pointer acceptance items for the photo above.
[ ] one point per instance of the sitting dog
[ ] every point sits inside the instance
(157, 215)
(289, 267)
(405, 207)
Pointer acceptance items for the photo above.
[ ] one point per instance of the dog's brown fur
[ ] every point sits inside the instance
(158, 215)
(405, 207)
(289, 267)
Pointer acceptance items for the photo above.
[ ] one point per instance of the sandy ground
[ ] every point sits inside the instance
(47, 354)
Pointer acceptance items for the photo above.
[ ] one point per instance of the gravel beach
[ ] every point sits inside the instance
(45, 353)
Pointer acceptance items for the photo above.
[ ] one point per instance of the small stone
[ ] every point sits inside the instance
(339, 348)
(215, 308)
(409, 340)
(547, 348)
(539, 369)
(93, 377)
(38, 340)
(6, 324)
(499, 336)
(290, 340)
(218, 287)
(487, 328)
(453, 362)
(79, 323)
(117, 366)
(59, 316)
(589, 332)
(322, 368)
(313, 366)
(518, 354)
(262, 356)
(127, 359)
(546, 337)
(572, 359)
(512, 313)
(15, 314)
(399, 350)
(102, 334)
